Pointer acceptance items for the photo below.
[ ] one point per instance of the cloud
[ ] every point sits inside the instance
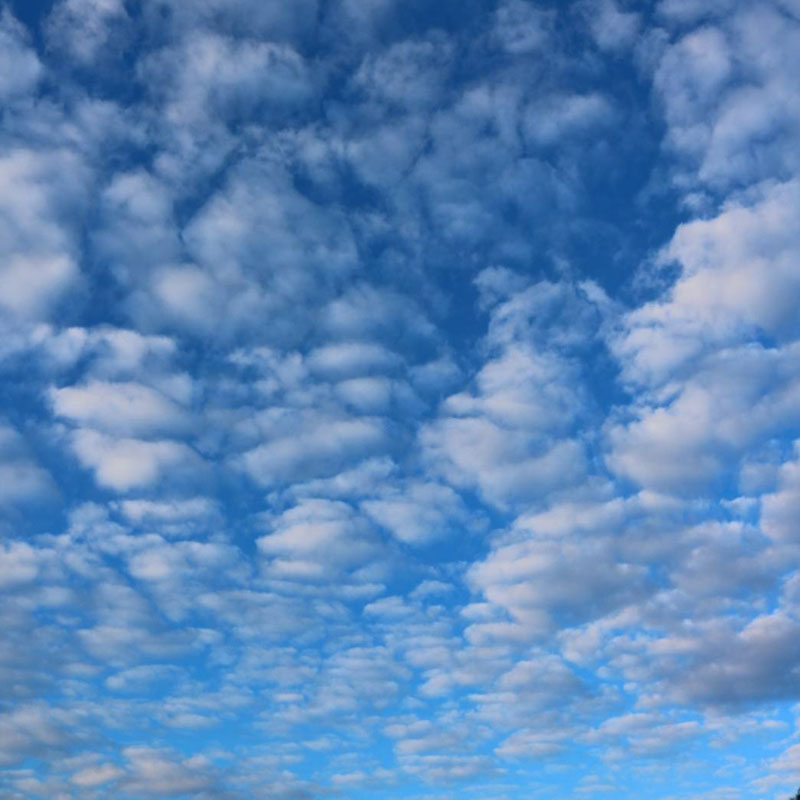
(100, 775)
(552, 119)
(420, 512)
(321, 449)
(21, 478)
(247, 255)
(352, 359)
(160, 773)
(18, 564)
(540, 582)
(21, 68)
(408, 74)
(124, 464)
(690, 444)
(177, 517)
(317, 540)
(103, 24)
(522, 28)
(738, 280)
(38, 207)
(611, 27)
(729, 108)
(33, 731)
(716, 387)
(409, 388)
(730, 667)
(230, 80)
(127, 409)
(780, 509)
(509, 436)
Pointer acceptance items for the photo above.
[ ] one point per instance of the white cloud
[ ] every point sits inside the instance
(21, 478)
(18, 564)
(40, 195)
(522, 28)
(351, 359)
(313, 294)
(302, 446)
(730, 103)
(234, 80)
(317, 540)
(169, 513)
(714, 389)
(20, 67)
(509, 436)
(125, 409)
(137, 226)
(125, 464)
(98, 775)
(543, 583)
(409, 74)
(780, 510)
(420, 512)
(611, 27)
(161, 773)
(551, 120)
(102, 24)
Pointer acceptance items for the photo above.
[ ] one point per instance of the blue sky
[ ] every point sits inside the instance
(399, 399)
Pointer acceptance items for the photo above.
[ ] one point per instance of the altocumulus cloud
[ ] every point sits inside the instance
(400, 399)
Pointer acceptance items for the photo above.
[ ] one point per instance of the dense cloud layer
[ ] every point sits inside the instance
(399, 399)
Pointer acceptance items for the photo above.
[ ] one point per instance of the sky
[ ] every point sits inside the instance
(400, 399)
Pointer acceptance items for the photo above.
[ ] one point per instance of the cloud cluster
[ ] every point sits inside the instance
(399, 399)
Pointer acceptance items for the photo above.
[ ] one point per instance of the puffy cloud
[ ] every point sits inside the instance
(318, 447)
(352, 359)
(40, 196)
(554, 119)
(420, 512)
(137, 225)
(18, 564)
(127, 409)
(434, 372)
(475, 452)
(780, 510)
(174, 517)
(232, 80)
(125, 464)
(20, 68)
(540, 582)
(729, 107)
(716, 389)
(717, 664)
(35, 730)
(98, 775)
(510, 436)
(317, 540)
(408, 74)
(161, 773)
(21, 478)
(103, 24)
(611, 27)
(249, 255)
(738, 280)
(522, 27)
